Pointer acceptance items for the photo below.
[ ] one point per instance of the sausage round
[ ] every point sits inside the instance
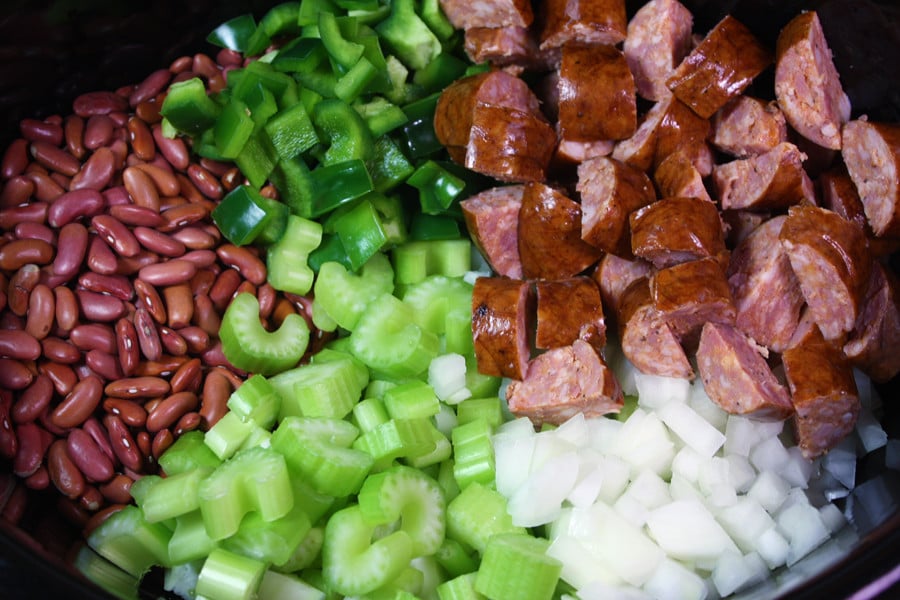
(658, 38)
(585, 21)
(871, 152)
(748, 126)
(502, 326)
(773, 180)
(676, 230)
(874, 343)
(492, 218)
(567, 310)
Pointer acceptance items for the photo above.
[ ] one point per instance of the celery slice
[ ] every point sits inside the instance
(187, 453)
(455, 559)
(412, 497)
(106, 575)
(305, 553)
(323, 389)
(174, 495)
(416, 260)
(227, 435)
(128, 541)
(461, 587)
(343, 295)
(473, 453)
(279, 586)
(517, 566)
(477, 514)
(189, 539)
(411, 400)
(369, 414)
(229, 576)
(435, 298)
(397, 438)
(442, 450)
(271, 542)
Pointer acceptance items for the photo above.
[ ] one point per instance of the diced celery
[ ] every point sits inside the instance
(516, 565)
(442, 450)
(128, 541)
(473, 453)
(323, 389)
(455, 558)
(369, 414)
(305, 553)
(461, 587)
(189, 539)
(414, 261)
(488, 409)
(227, 435)
(188, 452)
(272, 542)
(477, 514)
(279, 586)
(344, 295)
(397, 438)
(174, 495)
(411, 400)
(106, 575)
(436, 297)
(256, 400)
(229, 576)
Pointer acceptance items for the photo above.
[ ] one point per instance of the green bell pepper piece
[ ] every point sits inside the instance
(406, 33)
(188, 108)
(233, 34)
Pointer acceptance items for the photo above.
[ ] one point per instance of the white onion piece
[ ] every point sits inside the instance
(686, 530)
(802, 526)
(447, 375)
(673, 581)
(871, 434)
(734, 572)
(693, 429)
(539, 499)
(655, 391)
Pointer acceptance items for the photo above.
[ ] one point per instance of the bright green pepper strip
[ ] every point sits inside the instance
(291, 131)
(128, 541)
(229, 576)
(248, 346)
(259, 72)
(233, 128)
(408, 35)
(292, 179)
(343, 51)
(286, 259)
(361, 232)
(343, 128)
(440, 72)
(356, 80)
(344, 295)
(336, 184)
(437, 21)
(299, 55)
(260, 102)
(330, 250)
(188, 453)
(243, 214)
(380, 115)
(234, 33)
(257, 159)
(418, 133)
(388, 166)
(437, 187)
(276, 224)
(280, 19)
(310, 9)
(188, 108)
(255, 479)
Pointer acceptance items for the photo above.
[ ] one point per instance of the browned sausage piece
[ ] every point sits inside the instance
(676, 230)
(647, 340)
(871, 152)
(659, 37)
(563, 382)
(874, 343)
(596, 94)
(488, 13)
(492, 218)
(510, 145)
(508, 47)
(689, 294)
(719, 68)
(838, 193)
(774, 180)
(610, 191)
(573, 153)
(830, 257)
(567, 310)
(740, 223)
(502, 325)
(748, 126)
(550, 244)
(586, 21)
(823, 392)
(807, 85)
(676, 175)
(613, 275)
(766, 292)
(737, 377)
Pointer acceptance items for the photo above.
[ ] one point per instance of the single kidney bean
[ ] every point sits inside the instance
(246, 262)
(136, 216)
(164, 180)
(180, 304)
(195, 238)
(116, 195)
(202, 258)
(91, 500)
(74, 205)
(137, 387)
(103, 364)
(39, 480)
(147, 334)
(197, 339)
(164, 367)
(33, 443)
(122, 443)
(266, 296)
(15, 159)
(66, 308)
(62, 376)
(171, 341)
(224, 288)
(188, 377)
(205, 182)
(183, 215)
(97, 171)
(131, 413)
(130, 265)
(99, 307)
(94, 336)
(148, 111)
(88, 456)
(114, 285)
(9, 443)
(35, 231)
(118, 489)
(171, 272)
(188, 422)
(33, 400)
(14, 374)
(46, 189)
(116, 234)
(141, 188)
(60, 350)
(167, 203)
(63, 473)
(98, 433)
(149, 298)
(98, 131)
(54, 158)
(206, 317)
(71, 249)
(35, 212)
(62, 180)
(35, 130)
(19, 289)
(41, 312)
(79, 404)
(19, 253)
(98, 103)
(159, 242)
(203, 281)
(162, 441)
(19, 345)
(152, 85)
(141, 139)
(127, 346)
(100, 257)
(174, 149)
(16, 191)
(73, 130)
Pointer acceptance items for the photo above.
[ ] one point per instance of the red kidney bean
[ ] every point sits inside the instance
(9, 443)
(19, 288)
(60, 350)
(103, 364)
(266, 296)
(127, 346)
(188, 422)
(188, 377)
(35, 212)
(129, 265)
(194, 238)
(18, 253)
(91, 500)
(100, 257)
(171, 272)
(205, 315)
(41, 312)
(203, 281)
(173, 149)
(246, 287)
(54, 158)
(14, 374)
(180, 305)
(98, 103)
(162, 441)
(99, 517)
(66, 308)
(205, 182)
(79, 404)
(170, 410)
(97, 171)
(152, 85)
(88, 456)
(197, 339)
(136, 216)
(122, 443)
(117, 195)
(141, 139)
(117, 490)
(16, 191)
(33, 400)
(71, 249)
(62, 376)
(35, 231)
(147, 335)
(244, 261)
(99, 307)
(98, 433)
(39, 480)
(156, 241)
(181, 64)
(73, 130)
(131, 413)
(148, 111)
(116, 234)
(120, 117)
(98, 131)
(15, 159)
(223, 289)
(141, 188)
(164, 180)
(33, 444)
(201, 258)
(185, 214)
(74, 205)
(19, 345)
(35, 130)
(137, 387)
(172, 342)
(62, 180)
(150, 299)
(63, 473)
(93, 336)
(46, 189)
(114, 285)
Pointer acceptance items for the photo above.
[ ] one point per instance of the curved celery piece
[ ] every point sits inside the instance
(248, 346)
(322, 389)
(343, 295)
(411, 400)
(128, 541)
(318, 450)
(105, 574)
(229, 576)
(416, 260)
(228, 435)
(255, 479)
(174, 495)
(286, 260)
(189, 539)
(412, 497)
(397, 438)
(516, 565)
(256, 400)
(436, 297)
(187, 453)
(306, 552)
(478, 513)
(272, 542)
(352, 563)
(473, 453)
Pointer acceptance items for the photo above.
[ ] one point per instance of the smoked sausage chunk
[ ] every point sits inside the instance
(567, 310)
(831, 259)
(872, 154)
(658, 39)
(563, 382)
(610, 191)
(719, 68)
(492, 218)
(550, 244)
(464, 14)
(748, 126)
(823, 392)
(613, 275)
(773, 180)
(676, 230)
(676, 175)
(737, 377)
(874, 343)
(508, 47)
(586, 21)
(807, 85)
(501, 326)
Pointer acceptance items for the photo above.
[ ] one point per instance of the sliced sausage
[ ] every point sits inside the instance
(658, 38)
(563, 382)
(874, 343)
(737, 377)
(871, 152)
(740, 223)
(748, 126)
(501, 326)
(610, 190)
(830, 257)
(719, 68)
(567, 310)
(510, 145)
(838, 193)
(585, 21)
(647, 339)
(689, 294)
(823, 392)
(492, 218)
(676, 230)
(513, 46)
(807, 85)
(550, 244)
(488, 13)
(613, 276)
(773, 180)
(676, 175)
(766, 292)
(597, 100)
(572, 153)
